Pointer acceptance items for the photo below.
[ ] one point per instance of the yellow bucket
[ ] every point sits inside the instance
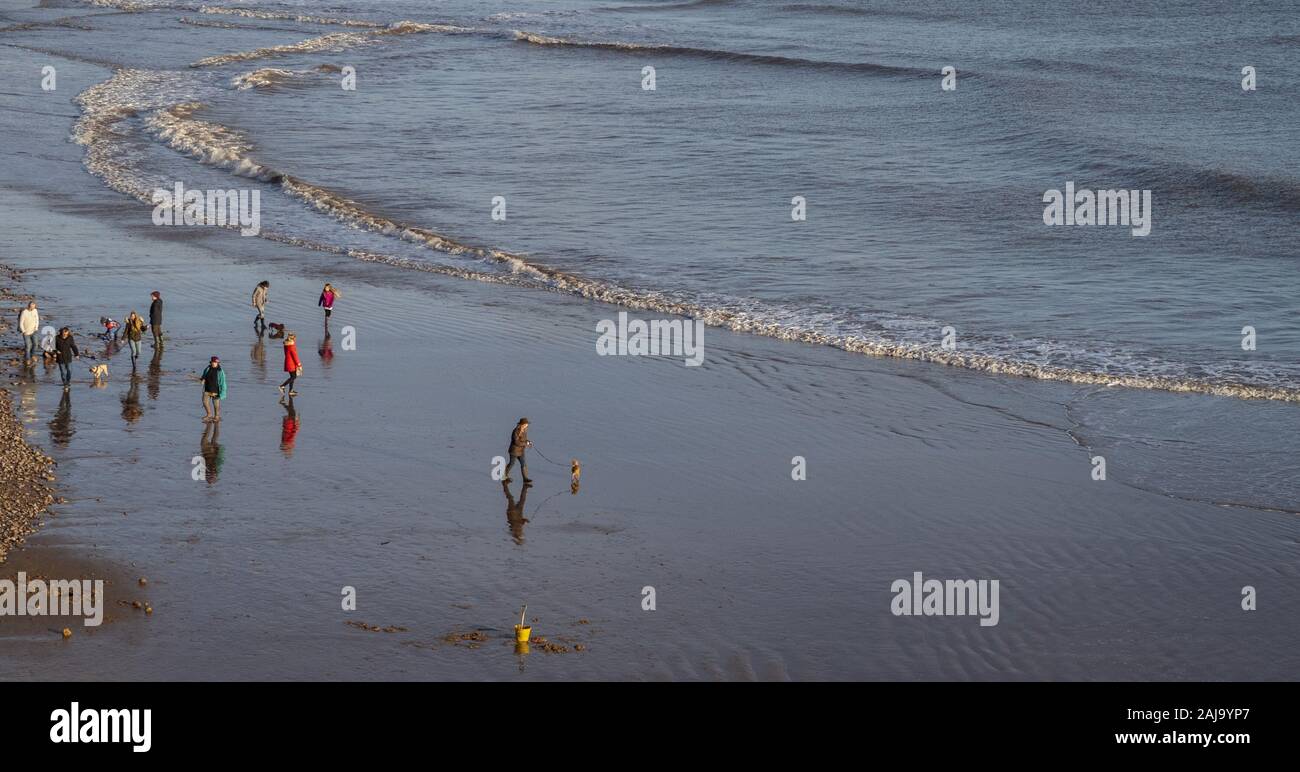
(522, 633)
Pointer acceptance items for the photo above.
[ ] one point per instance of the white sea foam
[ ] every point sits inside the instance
(250, 13)
(272, 76)
(150, 99)
(335, 41)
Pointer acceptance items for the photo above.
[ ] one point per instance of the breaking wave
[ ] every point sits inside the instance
(136, 106)
(335, 41)
(268, 77)
(249, 13)
(726, 56)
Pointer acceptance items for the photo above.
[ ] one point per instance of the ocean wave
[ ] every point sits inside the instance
(273, 76)
(1221, 186)
(148, 99)
(853, 10)
(247, 13)
(726, 56)
(144, 5)
(332, 41)
(669, 6)
(213, 23)
(516, 15)
(250, 13)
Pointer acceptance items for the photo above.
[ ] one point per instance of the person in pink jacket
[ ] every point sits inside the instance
(292, 364)
(327, 298)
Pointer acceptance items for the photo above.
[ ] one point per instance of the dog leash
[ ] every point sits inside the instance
(543, 455)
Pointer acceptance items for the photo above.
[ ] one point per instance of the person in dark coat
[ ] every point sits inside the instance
(515, 519)
(518, 443)
(214, 389)
(65, 350)
(155, 317)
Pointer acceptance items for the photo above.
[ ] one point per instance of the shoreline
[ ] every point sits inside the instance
(385, 487)
(379, 479)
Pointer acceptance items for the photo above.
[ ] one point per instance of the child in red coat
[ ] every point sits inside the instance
(292, 364)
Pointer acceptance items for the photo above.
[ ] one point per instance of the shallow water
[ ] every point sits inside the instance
(923, 212)
(385, 487)
(925, 206)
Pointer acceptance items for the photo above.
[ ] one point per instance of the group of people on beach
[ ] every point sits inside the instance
(61, 348)
(214, 378)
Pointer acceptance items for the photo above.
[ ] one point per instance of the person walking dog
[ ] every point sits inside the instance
(65, 350)
(259, 302)
(519, 442)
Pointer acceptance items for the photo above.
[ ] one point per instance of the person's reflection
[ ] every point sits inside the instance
(27, 400)
(258, 353)
(515, 512)
(155, 372)
(326, 349)
(131, 410)
(111, 347)
(289, 428)
(210, 447)
(62, 427)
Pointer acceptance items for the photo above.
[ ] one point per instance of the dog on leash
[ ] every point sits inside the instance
(575, 473)
(99, 371)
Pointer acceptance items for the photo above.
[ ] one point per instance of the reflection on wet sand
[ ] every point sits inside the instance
(289, 428)
(62, 427)
(27, 399)
(131, 410)
(326, 349)
(213, 454)
(515, 512)
(155, 372)
(257, 354)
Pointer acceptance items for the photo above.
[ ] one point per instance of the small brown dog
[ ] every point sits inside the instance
(575, 471)
(99, 371)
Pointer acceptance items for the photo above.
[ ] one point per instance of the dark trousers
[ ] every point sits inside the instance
(523, 465)
(288, 382)
(65, 372)
(157, 333)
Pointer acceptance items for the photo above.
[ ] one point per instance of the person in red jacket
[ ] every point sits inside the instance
(292, 364)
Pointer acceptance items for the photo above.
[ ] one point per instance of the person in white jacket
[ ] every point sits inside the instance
(29, 323)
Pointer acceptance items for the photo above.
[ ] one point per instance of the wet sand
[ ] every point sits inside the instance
(385, 487)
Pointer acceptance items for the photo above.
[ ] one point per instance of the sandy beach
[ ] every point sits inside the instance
(25, 473)
(386, 488)
(379, 478)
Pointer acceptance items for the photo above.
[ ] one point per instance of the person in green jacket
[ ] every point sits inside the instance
(214, 389)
